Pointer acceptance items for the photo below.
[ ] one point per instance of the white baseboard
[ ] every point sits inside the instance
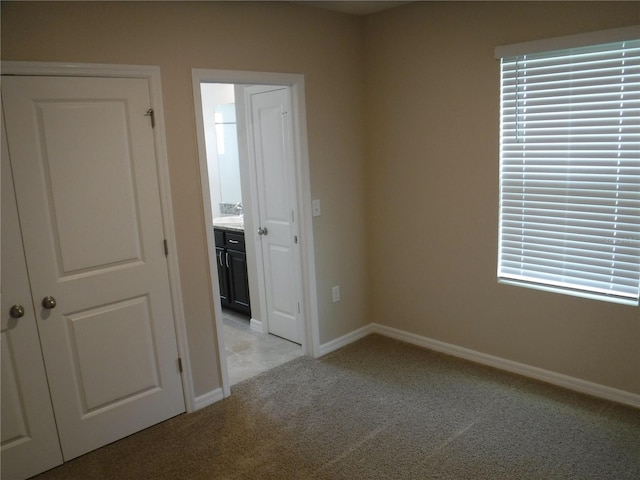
(208, 398)
(346, 339)
(559, 379)
(257, 325)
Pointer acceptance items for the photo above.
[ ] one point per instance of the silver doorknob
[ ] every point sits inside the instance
(49, 302)
(263, 231)
(17, 311)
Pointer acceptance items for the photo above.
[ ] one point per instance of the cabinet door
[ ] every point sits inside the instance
(223, 280)
(238, 281)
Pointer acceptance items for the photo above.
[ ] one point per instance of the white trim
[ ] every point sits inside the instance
(78, 69)
(211, 242)
(345, 340)
(169, 232)
(257, 325)
(152, 74)
(559, 379)
(569, 41)
(209, 398)
(310, 343)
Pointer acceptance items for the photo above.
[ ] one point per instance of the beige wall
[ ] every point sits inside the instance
(432, 179)
(419, 223)
(177, 36)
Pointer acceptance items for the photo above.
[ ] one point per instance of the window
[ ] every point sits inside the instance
(570, 165)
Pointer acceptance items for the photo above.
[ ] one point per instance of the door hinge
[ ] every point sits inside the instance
(166, 248)
(180, 364)
(151, 113)
(295, 239)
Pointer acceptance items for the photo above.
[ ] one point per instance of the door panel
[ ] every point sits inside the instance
(98, 352)
(80, 182)
(29, 438)
(281, 279)
(84, 168)
(273, 154)
(238, 281)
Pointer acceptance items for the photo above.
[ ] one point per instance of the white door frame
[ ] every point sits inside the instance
(309, 304)
(152, 75)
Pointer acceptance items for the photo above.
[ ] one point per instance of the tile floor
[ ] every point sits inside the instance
(249, 352)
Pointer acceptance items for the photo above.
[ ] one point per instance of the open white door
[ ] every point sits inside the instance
(86, 183)
(270, 147)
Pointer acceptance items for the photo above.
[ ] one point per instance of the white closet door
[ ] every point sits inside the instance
(87, 191)
(29, 438)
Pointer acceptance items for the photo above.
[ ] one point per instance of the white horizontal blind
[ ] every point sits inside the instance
(570, 171)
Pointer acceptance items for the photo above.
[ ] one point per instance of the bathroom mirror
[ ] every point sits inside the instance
(221, 142)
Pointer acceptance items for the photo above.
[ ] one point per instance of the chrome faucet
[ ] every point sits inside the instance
(237, 208)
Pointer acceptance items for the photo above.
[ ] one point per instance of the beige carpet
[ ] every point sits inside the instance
(381, 409)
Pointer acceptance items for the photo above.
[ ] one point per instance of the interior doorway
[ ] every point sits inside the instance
(239, 114)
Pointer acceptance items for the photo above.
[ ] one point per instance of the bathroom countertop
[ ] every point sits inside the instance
(234, 222)
(235, 228)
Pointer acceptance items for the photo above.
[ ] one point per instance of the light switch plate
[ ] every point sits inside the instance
(315, 208)
(335, 293)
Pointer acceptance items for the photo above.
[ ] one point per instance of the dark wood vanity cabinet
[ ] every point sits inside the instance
(232, 270)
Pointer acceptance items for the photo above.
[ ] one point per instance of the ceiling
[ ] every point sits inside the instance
(360, 8)
(354, 8)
